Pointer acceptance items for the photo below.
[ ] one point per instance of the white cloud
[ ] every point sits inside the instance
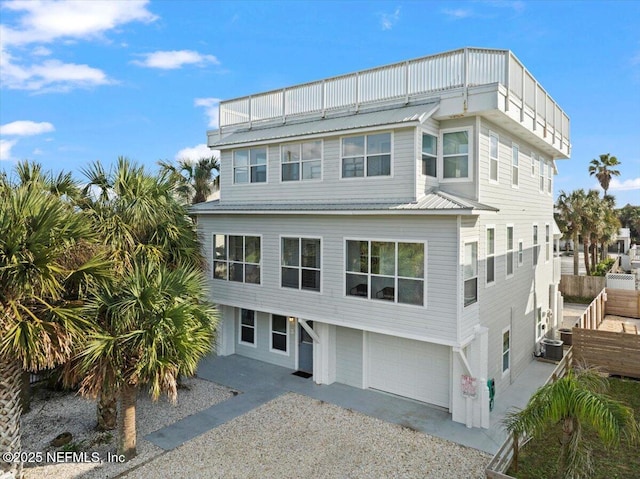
(388, 20)
(5, 149)
(46, 21)
(41, 51)
(194, 153)
(211, 106)
(38, 151)
(631, 184)
(169, 60)
(458, 13)
(25, 128)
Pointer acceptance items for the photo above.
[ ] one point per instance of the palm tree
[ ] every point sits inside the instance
(570, 210)
(40, 281)
(575, 400)
(194, 181)
(152, 326)
(602, 169)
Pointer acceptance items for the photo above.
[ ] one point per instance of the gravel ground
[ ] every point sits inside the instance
(295, 436)
(55, 412)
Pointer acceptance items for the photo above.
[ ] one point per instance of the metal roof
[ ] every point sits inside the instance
(435, 202)
(410, 114)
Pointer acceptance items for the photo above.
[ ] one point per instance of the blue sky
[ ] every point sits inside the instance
(91, 80)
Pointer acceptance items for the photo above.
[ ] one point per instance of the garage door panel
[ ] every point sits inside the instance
(409, 368)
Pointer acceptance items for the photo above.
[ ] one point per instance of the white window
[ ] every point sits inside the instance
(491, 255)
(248, 327)
(429, 155)
(455, 154)
(536, 247)
(542, 165)
(250, 166)
(386, 271)
(547, 242)
(493, 156)
(300, 263)
(279, 336)
(549, 177)
(366, 155)
(510, 252)
(533, 164)
(515, 152)
(506, 351)
(236, 258)
(301, 161)
(470, 273)
(520, 253)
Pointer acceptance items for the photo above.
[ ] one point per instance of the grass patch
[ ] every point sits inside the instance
(578, 299)
(538, 459)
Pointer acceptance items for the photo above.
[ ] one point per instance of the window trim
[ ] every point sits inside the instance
(534, 160)
(515, 165)
(507, 352)
(396, 276)
(365, 176)
(477, 272)
(266, 164)
(510, 251)
(520, 253)
(300, 179)
(496, 159)
(541, 176)
(423, 132)
(550, 178)
(300, 238)
(535, 241)
(286, 334)
(226, 260)
(255, 328)
(488, 255)
(547, 242)
(470, 157)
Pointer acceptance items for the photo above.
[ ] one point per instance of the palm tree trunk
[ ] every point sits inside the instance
(585, 248)
(127, 421)
(107, 410)
(567, 433)
(25, 392)
(576, 255)
(10, 410)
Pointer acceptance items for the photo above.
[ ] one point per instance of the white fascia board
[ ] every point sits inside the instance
(463, 212)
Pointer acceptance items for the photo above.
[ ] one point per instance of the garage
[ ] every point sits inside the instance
(409, 368)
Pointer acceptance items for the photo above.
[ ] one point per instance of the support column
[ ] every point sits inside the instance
(324, 353)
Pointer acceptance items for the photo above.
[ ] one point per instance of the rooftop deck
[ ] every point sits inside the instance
(407, 82)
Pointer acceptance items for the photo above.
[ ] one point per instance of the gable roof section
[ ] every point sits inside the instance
(433, 203)
(415, 114)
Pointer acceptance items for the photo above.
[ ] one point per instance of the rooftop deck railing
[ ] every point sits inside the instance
(407, 80)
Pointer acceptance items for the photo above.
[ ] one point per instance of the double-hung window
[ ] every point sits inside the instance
(549, 176)
(279, 336)
(520, 253)
(515, 153)
(491, 255)
(493, 156)
(547, 242)
(533, 164)
(470, 273)
(539, 323)
(509, 251)
(236, 258)
(455, 154)
(536, 247)
(429, 155)
(506, 349)
(300, 262)
(366, 155)
(248, 326)
(386, 271)
(301, 161)
(250, 166)
(542, 166)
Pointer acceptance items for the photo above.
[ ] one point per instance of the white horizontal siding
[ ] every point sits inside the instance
(349, 357)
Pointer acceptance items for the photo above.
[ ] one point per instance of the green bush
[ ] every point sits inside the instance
(603, 267)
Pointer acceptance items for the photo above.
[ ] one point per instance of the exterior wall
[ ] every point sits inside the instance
(349, 357)
(435, 322)
(400, 186)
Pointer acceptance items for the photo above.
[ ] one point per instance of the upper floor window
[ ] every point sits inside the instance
(542, 165)
(510, 251)
(250, 166)
(300, 260)
(455, 154)
(301, 161)
(515, 153)
(366, 155)
(386, 271)
(491, 255)
(470, 273)
(533, 164)
(236, 258)
(547, 242)
(493, 156)
(429, 155)
(536, 247)
(549, 176)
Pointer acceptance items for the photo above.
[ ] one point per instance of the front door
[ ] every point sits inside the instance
(305, 349)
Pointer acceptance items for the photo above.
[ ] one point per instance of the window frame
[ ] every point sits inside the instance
(249, 166)
(547, 242)
(301, 161)
(254, 327)
(506, 371)
(550, 178)
(520, 253)
(534, 160)
(539, 323)
(441, 156)
(464, 273)
(227, 261)
(286, 335)
(396, 277)
(535, 244)
(510, 251)
(541, 176)
(366, 156)
(490, 254)
(431, 156)
(300, 267)
(496, 159)
(515, 166)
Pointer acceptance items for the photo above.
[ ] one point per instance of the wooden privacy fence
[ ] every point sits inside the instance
(614, 353)
(623, 302)
(582, 286)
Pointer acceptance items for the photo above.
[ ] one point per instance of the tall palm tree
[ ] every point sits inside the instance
(152, 326)
(570, 210)
(603, 170)
(194, 181)
(40, 281)
(574, 400)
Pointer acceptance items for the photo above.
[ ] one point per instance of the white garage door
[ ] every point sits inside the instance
(413, 369)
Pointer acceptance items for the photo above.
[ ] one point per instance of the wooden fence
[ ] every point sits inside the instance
(614, 353)
(623, 303)
(594, 314)
(581, 286)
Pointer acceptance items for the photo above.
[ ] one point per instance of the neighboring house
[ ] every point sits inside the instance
(392, 228)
